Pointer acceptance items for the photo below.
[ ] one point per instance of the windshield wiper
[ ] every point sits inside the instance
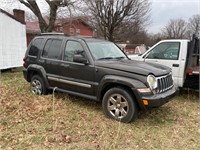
(105, 58)
(121, 57)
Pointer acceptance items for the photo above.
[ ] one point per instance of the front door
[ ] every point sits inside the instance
(76, 77)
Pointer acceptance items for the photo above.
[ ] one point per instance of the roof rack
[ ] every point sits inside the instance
(53, 33)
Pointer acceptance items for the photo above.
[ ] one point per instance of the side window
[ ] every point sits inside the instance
(35, 47)
(52, 49)
(72, 48)
(167, 50)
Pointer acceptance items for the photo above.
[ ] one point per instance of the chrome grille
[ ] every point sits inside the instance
(164, 83)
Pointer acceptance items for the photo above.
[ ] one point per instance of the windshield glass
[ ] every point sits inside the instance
(105, 50)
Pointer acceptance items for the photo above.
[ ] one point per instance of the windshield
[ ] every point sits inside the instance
(105, 50)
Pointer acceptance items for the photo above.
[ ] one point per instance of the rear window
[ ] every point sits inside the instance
(35, 47)
(52, 48)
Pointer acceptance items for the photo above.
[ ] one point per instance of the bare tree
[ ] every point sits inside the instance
(110, 15)
(194, 25)
(30, 17)
(132, 31)
(46, 26)
(176, 28)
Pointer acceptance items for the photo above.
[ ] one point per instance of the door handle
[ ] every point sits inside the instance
(65, 65)
(41, 60)
(175, 65)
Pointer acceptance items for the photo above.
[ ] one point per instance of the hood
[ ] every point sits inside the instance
(133, 66)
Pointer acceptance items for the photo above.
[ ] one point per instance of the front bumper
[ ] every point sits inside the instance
(153, 101)
(158, 100)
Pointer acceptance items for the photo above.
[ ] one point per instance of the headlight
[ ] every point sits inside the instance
(152, 82)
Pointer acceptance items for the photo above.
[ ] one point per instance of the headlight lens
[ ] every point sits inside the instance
(152, 81)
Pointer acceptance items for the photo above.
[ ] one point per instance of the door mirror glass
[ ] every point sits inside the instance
(80, 59)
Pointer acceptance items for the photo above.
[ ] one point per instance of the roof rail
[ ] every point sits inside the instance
(53, 33)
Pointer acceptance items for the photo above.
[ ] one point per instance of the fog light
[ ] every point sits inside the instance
(145, 102)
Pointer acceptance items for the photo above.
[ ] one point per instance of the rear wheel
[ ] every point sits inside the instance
(118, 104)
(37, 85)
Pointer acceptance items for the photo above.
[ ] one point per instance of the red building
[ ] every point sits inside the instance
(32, 29)
(76, 26)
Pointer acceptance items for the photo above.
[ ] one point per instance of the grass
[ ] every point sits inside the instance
(37, 122)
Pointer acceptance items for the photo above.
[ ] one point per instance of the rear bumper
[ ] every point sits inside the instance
(158, 100)
(25, 74)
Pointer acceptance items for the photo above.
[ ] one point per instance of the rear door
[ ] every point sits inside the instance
(167, 53)
(51, 57)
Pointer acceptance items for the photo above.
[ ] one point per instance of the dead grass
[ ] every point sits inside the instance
(35, 122)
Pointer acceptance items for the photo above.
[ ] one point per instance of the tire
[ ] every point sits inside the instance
(37, 85)
(118, 104)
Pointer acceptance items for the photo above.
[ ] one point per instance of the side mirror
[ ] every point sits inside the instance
(80, 59)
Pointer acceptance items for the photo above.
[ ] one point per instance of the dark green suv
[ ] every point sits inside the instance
(98, 70)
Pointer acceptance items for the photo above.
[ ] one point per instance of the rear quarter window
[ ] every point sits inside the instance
(35, 47)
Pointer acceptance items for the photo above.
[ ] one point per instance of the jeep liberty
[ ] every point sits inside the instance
(98, 70)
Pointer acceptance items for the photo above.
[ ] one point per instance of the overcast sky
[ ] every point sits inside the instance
(164, 10)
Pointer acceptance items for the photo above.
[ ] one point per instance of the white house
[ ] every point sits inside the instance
(12, 39)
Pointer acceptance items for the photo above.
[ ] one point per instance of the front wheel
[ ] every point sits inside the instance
(38, 86)
(118, 104)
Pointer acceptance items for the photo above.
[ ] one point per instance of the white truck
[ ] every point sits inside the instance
(180, 55)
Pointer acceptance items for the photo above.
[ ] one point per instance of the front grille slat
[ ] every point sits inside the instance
(167, 81)
(164, 83)
(159, 85)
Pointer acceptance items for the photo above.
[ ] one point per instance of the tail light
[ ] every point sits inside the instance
(189, 72)
(24, 59)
